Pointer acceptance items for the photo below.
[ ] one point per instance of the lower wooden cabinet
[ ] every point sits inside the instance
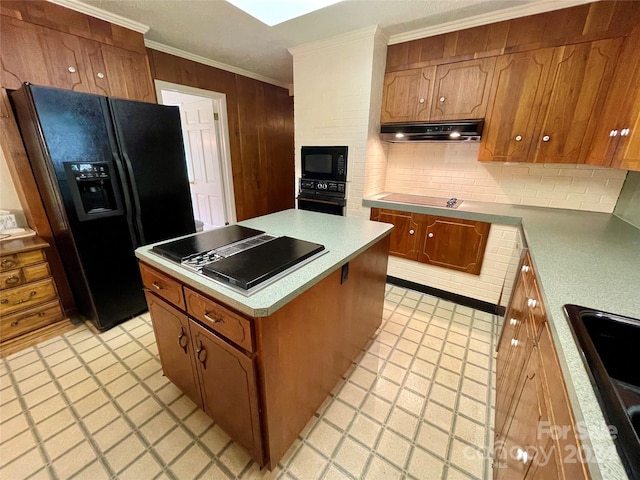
(532, 404)
(445, 242)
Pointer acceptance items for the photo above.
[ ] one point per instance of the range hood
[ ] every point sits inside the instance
(449, 131)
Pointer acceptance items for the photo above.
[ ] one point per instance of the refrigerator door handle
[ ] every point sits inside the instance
(136, 233)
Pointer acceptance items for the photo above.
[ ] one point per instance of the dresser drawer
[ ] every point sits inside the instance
(17, 260)
(161, 285)
(25, 296)
(16, 324)
(14, 278)
(227, 323)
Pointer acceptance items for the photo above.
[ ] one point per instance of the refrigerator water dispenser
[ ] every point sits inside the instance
(94, 193)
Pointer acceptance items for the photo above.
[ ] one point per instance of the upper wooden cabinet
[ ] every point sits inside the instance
(452, 91)
(545, 103)
(616, 140)
(407, 95)
(43, 56)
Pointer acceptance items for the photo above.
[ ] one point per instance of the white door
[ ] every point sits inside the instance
(203, 162)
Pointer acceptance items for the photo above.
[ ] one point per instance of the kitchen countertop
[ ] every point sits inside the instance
(584, 258)
(343, 238)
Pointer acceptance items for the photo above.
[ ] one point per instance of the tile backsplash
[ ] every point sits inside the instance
(452, 170)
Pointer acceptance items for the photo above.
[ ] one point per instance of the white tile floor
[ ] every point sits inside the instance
(416, 404)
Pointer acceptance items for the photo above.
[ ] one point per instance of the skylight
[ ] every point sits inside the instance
(278, 11)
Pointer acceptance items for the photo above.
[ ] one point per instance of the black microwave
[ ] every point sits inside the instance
(324, 163)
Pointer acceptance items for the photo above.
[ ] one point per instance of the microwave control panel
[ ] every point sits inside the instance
(342, 165)
(321, 186)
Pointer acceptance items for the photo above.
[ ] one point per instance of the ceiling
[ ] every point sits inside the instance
(220, 32)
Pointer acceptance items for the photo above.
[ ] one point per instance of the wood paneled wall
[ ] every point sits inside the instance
(260, 119)
(584, 23)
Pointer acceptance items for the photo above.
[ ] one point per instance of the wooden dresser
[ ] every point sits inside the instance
(30, 309)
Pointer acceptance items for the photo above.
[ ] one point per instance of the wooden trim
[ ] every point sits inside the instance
(27, 190)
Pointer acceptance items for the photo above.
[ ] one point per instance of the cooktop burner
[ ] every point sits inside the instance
(240, 257)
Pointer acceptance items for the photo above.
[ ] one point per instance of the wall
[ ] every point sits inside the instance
(628, 207)
(452, 170)
(338, 95)
(8, 195)
(260, 118)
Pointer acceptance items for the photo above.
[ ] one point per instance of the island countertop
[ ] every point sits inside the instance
(584, 258)
(344, 239)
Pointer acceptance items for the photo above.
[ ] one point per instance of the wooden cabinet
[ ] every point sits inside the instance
(229, 387)
(30, 309)
(175, 347)
(452, 91)
(43, 56)
(445, 242)
(196, 338)
(616, 141)
(406, 233)
(532, 404)
(545, 104)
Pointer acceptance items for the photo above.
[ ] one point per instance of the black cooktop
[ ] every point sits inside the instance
(252, 267)
(179, 250)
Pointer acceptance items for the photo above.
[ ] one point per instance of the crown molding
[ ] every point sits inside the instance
(102, 15)
(212, 63)
(534, 8)
(366, 32)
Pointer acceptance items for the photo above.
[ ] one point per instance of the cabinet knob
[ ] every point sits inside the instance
(513, 321)
(518, 138)
(546, 138)
(12, 280)
(421, 100)
(613, 133)
(532, 302)
(72, 69)
(522, 455)
(525, 268)
(412, 231)
(100, 75)
(624, 132)
(29, 315)
(442, 99)
(157, 286)
(514, 342)
(430, 235)
(8, 262)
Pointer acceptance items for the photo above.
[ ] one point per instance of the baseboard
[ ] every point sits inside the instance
(450, 296)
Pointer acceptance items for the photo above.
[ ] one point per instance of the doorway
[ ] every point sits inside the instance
(203, 115)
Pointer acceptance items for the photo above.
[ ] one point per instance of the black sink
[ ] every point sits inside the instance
(610, 346)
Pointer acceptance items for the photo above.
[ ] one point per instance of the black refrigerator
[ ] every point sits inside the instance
(112, 176)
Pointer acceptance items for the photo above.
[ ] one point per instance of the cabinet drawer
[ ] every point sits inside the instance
(218, 318)
(162, 285)
(25, 296)
(19, 323)
(17, 260)
(14, 278)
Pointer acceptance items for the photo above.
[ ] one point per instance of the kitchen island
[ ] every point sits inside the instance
(584, 258)
(261, 365)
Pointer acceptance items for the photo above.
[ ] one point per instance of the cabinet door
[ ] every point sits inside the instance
(127, 73)
(516, 453)
(404, 237)
(453, 243)
(515, 99)
(175, 347)
(229, 389)
(616, 141)
(35, 54)
(461, 89)
(576, 90)
(407, 95)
